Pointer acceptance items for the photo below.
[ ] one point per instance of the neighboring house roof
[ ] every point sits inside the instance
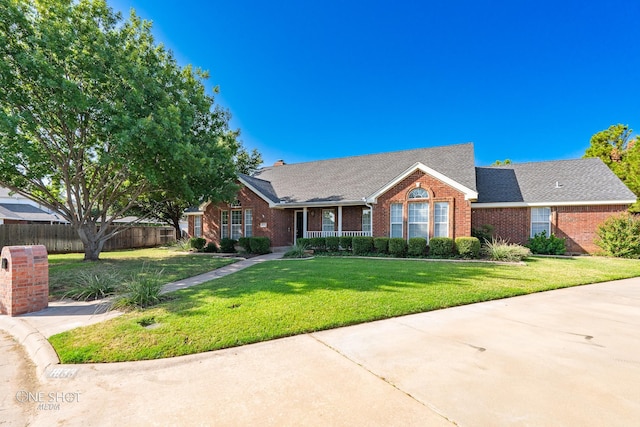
(353, 179)
(562, 182)
(24, 212)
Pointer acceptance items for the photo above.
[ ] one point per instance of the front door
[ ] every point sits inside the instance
(299, 224)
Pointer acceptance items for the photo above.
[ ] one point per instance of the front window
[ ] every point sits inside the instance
(419, 220)
(248, 223)
(366, 221)
(197, 226)
(540, 221)
(441, 220)
(396, 220)
(236, 224)
(224, 224)
(419, 193)
(328, 221)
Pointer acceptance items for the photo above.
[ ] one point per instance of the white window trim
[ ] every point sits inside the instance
(391, 223)
(237, 226)
(409, 222)
(370, 229)
(446, 223)
(197, 226)
(248, 223)
(333, 222)
(224, 228)
(531, 222)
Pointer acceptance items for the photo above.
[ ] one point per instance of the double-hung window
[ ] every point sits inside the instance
(396, 220)
(441, 219)
(419, 220)
(248, 223)
(197, 226)
(224, 224)
(366, 222)
(540, 221)
(236, 224)
(328, 222)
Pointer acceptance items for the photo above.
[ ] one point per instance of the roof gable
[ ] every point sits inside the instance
(353, 179)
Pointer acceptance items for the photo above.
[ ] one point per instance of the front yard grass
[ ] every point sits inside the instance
(64, 268)
(282, 298)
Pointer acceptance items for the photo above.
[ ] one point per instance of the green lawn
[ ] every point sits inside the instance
(282, 298)
(64, 268)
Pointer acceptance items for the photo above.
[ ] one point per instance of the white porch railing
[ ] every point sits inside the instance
(337, 233)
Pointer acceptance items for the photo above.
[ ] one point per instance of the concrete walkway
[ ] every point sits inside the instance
(566, 357)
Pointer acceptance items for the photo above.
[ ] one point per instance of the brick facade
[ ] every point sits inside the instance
(459, 208)
(577, 224)
(24, 281)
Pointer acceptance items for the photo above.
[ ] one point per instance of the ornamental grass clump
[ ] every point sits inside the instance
(141, 291)
(93, 284)
(502, 250)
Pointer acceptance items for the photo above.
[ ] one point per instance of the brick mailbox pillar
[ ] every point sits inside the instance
(24, 279)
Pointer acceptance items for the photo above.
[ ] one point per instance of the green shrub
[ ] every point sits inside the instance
(228, 246)
(346, 242)
(332, 243)
(260, 245)
(468, 247)
(484, 233)
(381, 244)
(619, 236)
(501, 250)
(304, 241)
(245, 243)
(210, 248)
(318, 243)
(93, 284)
(441, 246)
(417, 246)
(541, 244)
(397, 247)
(197, 243)
(362, 245)
(141, 291)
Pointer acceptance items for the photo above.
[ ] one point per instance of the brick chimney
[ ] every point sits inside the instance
(279, 163)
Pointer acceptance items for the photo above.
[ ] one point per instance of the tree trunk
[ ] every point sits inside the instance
(93, 244)
(176, 225)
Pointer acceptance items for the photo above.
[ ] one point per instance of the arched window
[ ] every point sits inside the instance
(419, 193)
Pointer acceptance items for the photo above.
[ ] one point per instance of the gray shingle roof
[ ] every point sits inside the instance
(581, 180)
(350, 179)
(24, 212)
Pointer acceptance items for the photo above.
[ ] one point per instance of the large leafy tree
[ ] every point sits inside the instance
(621, 152)
(94, 114)
(169, 206)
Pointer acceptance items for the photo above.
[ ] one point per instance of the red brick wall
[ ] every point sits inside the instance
(578, 224)
(459, 208)
(24, 284)
(512, 224)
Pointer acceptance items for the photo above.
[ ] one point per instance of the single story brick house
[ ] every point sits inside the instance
(424, 192)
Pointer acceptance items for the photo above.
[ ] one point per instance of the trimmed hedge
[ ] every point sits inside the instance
(332, 243)
(397, 247)
(227, 245)
(442, 246)
(197, 243)
(245, 242)
(210, 248)
(318, 243)
(381, 244)
(468, 247)
(260, 245)
(362, 245)
(417, 246)
(346, 242)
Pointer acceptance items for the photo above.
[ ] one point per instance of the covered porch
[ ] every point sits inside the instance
(333, 221)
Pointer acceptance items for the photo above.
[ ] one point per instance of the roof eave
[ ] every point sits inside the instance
(549, 203)
(259, 193)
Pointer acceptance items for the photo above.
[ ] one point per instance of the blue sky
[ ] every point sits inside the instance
(310, 80)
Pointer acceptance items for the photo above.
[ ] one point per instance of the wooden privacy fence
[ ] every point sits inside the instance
(60, 238)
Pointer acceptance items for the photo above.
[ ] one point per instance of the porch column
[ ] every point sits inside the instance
(339, 220)
(304, 222)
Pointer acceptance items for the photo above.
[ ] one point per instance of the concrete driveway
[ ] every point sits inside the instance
(560, 358)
